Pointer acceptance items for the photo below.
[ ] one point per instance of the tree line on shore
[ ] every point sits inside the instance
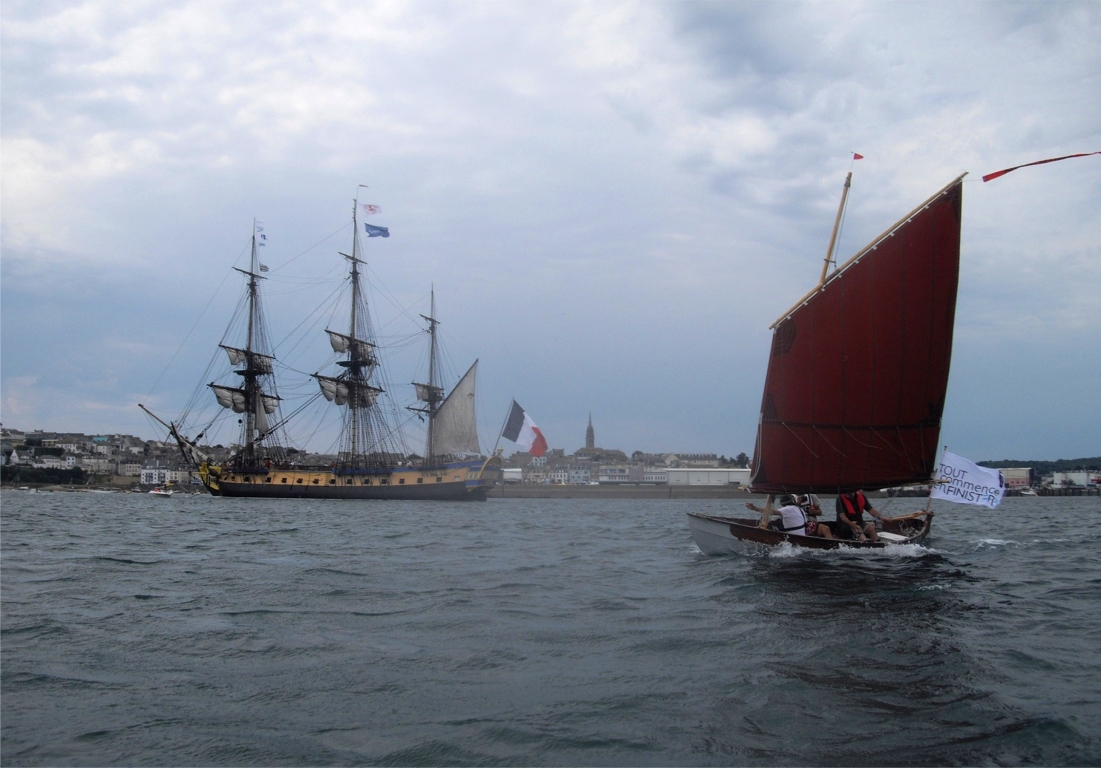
(1047, 467)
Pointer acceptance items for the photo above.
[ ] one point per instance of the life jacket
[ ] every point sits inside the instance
(854, 512)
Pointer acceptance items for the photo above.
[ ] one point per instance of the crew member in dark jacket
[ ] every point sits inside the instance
(850, 517)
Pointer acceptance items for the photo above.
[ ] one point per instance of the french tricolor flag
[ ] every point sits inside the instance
(521, 430)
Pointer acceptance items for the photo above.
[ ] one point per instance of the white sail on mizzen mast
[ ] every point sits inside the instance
(455, 424)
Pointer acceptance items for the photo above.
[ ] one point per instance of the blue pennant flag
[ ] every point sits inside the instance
(373, 231)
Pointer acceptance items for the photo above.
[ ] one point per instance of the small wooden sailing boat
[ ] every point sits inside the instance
(371, 462)
(857, 377)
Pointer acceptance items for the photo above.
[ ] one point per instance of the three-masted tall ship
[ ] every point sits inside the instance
(370, 462)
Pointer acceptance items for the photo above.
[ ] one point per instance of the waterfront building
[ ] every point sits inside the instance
(707, 476)
(536, 476)
(1071, 479)
(691, 460)
(162, 475)
(1017, 477)
(579, 475)
(617, 474)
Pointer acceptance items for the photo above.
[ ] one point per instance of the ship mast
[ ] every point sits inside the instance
(431, 394)
(251, 372)
(359, 358)
(250, 400)
(354, 369)
(353, 388)
(836, 226)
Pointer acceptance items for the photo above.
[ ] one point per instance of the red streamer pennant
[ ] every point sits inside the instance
(996, 174)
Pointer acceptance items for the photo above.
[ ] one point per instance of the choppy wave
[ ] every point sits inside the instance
(220, 631)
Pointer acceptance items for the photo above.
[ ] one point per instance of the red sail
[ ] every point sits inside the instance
(858, 370)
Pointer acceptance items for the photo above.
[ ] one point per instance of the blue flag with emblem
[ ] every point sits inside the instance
(373, 231)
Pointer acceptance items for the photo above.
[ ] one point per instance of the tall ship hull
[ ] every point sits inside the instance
(455, 481)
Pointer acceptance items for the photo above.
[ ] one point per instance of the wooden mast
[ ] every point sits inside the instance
(250, 374)
(354, 369)
(434, 393)
(836, 226)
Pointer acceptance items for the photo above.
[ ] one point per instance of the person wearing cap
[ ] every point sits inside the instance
(850, 519)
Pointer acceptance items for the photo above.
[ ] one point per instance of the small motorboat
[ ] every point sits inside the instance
(162, 492)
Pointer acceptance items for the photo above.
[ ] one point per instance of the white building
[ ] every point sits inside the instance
(98, 465)
(616, 473)
(162, 475)
(691, 460)
(22, 457)
(1017, 477)
(712, 476)
(580, 475)
(558, 476)
(538, 476)
(1062, 479)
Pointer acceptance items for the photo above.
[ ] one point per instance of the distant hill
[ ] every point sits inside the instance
(1046, 467)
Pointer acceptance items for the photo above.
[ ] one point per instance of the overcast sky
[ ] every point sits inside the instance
(612, 200)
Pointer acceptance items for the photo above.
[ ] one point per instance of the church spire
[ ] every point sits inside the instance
(590, 436)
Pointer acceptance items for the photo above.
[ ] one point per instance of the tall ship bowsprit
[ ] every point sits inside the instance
(371, 461)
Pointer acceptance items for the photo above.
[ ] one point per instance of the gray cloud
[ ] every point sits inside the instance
(613, 200)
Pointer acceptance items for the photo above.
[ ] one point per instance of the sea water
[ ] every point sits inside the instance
(203, 631)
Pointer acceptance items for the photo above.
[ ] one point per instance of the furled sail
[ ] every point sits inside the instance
(262, 412)
(228, 397)
(426, 393)
(334, 390)
(338, 340)
(260, 363)
(858, 371)
(236, 356)
(342, 391)
(455, 426)
(237, 400)
(342, 343)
